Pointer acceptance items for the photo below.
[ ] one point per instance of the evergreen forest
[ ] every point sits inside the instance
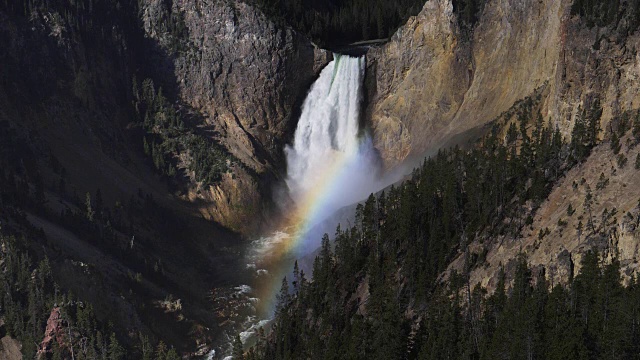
(376, 291)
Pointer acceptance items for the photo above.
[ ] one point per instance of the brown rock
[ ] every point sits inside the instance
(53, 332)
(433, 82)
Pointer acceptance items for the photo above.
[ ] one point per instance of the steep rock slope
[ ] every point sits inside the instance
(434, 80)
(64, 133)
(595, 206)
(594, 63)
(245, 76)
(416, 82)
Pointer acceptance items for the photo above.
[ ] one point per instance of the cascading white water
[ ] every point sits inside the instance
(328, 130)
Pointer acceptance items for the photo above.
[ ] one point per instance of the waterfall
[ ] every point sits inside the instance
(327, 142)
(331, 163)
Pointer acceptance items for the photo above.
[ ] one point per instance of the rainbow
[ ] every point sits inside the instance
(294, 236)
(328, 139)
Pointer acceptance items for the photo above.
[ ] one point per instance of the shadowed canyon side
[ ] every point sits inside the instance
(94, 194)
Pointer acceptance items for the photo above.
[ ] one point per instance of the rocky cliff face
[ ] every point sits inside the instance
(417, 83)
(245, 76)
(594, 63)
(434, 81)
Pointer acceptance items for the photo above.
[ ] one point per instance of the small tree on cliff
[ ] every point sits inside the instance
(283, 297)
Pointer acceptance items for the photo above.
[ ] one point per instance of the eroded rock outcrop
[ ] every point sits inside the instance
(560, 233)
(54, 333)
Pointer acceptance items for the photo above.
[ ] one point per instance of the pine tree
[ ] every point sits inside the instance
(145, 347)
(578, 146)
(90, 213)
(172, 354)
(593, 117)
(161, 351)
(613, 327)
(636, 127)
(615, 143)
(116, 352)
(563, 333)
(145, 145)
(283, 297)
(296, 278)
(238, 352)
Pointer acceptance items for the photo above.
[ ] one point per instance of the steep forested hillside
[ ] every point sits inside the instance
(53, 323)
(378, 292)
(607, 12)
(594, 316)
(45, 319)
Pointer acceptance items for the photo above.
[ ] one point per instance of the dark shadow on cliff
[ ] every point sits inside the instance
(69, 97)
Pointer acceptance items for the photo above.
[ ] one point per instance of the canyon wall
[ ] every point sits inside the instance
(435, 80)
(246, 77)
